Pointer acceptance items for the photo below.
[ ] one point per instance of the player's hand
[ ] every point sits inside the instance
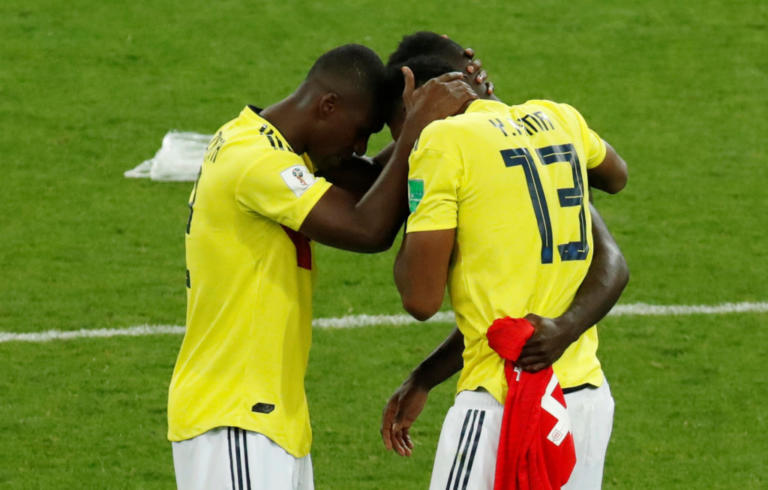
(440, 97)
(402, 410)
(475, 68)
(546, 345)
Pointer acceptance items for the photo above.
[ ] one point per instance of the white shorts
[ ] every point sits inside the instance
(235, 459)
(469, 440)
(591, 413)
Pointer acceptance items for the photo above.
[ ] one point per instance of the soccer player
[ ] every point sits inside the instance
(237, 410)
(500, 214)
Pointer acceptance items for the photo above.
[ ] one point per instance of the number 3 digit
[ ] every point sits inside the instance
(569, 196)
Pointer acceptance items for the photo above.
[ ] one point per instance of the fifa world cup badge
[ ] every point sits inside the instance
(298, 179)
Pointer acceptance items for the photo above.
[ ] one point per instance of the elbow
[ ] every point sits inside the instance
(367, 239)
(376, 242)
(419, 308)
(617, 184)
(622, 272)
(625, 275)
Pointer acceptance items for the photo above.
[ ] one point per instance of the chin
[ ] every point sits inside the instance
(324, 162)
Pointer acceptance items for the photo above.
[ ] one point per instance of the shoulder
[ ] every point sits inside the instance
(562, 110)
(452, 131)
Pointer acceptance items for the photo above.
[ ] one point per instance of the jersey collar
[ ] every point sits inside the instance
(254, 113)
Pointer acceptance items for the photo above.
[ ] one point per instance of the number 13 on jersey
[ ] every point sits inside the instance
(569, 196)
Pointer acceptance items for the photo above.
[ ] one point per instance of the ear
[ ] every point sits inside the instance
(327, 105)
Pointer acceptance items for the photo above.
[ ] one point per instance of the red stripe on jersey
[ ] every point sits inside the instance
(303, 249)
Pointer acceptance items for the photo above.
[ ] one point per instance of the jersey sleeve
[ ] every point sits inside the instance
(434, 178)
(280, 187)
(594, 146)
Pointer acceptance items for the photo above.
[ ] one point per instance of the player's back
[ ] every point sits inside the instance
(523, 229)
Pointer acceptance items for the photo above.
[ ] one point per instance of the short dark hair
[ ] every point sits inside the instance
(357, 70)
(428, 55)
(425, 43)
(424, 68)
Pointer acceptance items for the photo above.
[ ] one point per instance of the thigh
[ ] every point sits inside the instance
(591, 414)
(233, 459)
(203, 461)
(466, 452)
(269, 466)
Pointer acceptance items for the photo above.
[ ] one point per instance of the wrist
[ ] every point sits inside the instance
(420, 378)
(570, 327)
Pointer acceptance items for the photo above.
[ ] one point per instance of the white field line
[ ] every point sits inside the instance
(356, 321)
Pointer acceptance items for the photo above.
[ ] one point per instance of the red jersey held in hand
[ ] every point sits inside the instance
(536, 450)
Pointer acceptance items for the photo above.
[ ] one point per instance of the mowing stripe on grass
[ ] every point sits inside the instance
(356, 321)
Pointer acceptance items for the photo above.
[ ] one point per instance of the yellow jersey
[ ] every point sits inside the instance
(249, 289)
(512, 181)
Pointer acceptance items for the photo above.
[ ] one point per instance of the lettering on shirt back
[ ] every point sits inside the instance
(529, 124)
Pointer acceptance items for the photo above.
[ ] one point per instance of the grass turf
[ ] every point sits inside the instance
(87, 90)
(683, 419)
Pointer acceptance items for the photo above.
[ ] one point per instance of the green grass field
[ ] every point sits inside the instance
(88, 89)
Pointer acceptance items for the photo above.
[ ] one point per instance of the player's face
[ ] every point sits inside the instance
(344, 132)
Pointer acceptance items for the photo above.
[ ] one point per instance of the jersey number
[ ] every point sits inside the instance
(569, 196)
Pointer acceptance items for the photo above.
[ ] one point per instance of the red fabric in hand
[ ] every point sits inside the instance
(536, 450)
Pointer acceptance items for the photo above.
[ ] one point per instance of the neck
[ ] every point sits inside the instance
(287, 116)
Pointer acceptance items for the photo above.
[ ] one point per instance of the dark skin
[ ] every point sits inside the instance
(370, 224)
(609, 176)
(607, 276)
(421, 272)
(329, 126)
(356, 174)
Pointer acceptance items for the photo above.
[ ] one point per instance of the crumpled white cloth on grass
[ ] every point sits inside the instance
(178, 159)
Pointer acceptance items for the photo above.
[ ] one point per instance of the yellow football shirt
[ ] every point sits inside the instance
(249, 290)
(512, 181)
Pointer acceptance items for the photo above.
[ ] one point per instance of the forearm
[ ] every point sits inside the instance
(442, 363)
(355, 175)
(605, 280)
(385, 205)
(340, 220)
(382, 158)
(368, 224)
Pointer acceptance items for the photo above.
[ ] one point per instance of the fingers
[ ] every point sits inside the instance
(481, 77)
(490, 88)
(533, 362)
(533, 318)
(534, 368)
(402, 440)
(469, 53)
(474, 66)
(446, 77)
(387, 420)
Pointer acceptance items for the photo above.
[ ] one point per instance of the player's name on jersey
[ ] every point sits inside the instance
(529, 124)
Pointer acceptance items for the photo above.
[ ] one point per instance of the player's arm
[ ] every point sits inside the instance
(371, 223)
(407, 402)
(599, 291)
(606, 278)
(421, 270)
(421, 273)
(355, 175)
(611, 175)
